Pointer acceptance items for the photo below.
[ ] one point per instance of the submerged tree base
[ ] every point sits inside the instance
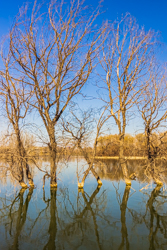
(99, 182)
(31, 183)
(158, 182)
(128, 182)
(80, 185)
(53, 185)
(23, 185)
(133, 176)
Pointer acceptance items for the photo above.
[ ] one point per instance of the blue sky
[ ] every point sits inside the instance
(149, 13)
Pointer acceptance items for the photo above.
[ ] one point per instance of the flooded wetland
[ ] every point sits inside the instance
(83, 100)
(111, 216)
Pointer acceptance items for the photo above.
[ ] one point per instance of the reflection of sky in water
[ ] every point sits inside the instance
(111, 217)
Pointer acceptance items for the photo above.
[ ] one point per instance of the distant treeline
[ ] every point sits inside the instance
(133, 145)
(108, 145)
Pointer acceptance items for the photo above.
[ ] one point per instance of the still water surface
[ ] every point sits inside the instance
(110, 217)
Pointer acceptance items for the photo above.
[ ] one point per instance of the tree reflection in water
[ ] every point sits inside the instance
(64, 218)
(16, 214)
(53, 223)
(157, 222)
(84, 220)
(123, 207)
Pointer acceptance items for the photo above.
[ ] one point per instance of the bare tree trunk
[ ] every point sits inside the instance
(19, 158)
(29, 175)
(153, 172)
(21, 176)
(96, 176)
(22, 160)
(151, 158)
(122, 160)
(53, 152)
(149, 155)
(121, 147)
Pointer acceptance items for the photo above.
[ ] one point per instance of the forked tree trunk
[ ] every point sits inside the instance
(90, 168)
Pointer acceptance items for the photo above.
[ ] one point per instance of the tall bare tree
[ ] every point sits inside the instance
(14, 97)
(56, 53)
(125, 60)
(152, 108)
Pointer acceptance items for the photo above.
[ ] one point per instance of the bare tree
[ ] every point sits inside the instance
(152, 107)
(56, 57)
(125, 60)
(14, 97)
(82, 129)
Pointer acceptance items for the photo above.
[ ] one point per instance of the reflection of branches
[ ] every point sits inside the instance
(81, 215)
(118, 196)
(39, 215)
(88, 203)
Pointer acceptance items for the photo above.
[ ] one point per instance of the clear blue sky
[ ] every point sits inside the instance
(149, 13)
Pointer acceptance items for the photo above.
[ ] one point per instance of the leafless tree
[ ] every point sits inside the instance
(14, 97)
(152, 107)
(125, 60)
(82, 129)
(56, 53)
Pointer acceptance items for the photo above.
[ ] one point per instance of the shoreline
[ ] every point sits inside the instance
(117, 157)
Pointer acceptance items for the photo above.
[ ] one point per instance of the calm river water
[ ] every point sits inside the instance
(112, 217)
